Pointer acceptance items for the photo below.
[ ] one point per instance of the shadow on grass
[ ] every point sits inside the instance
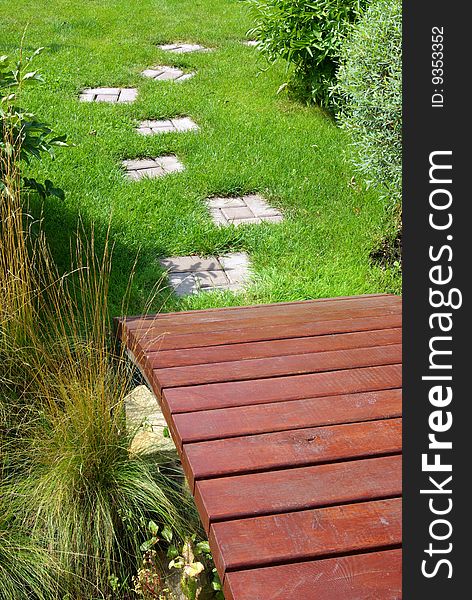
(149, 288)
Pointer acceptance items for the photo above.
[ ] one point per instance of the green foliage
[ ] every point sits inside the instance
(307, 34)
(290, 153)
(192, 560)
(27, 570)
(199, 578)
(80, 495)
(24, 137)
(370, 90)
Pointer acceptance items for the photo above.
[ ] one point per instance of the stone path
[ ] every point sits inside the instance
(164, 73)
(115, 95)
(167, 126)
(242, 210)
(183, 48)
(191, 274)
(140, 168)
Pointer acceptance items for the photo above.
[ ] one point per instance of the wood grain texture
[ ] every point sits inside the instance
(282, 330)
(373, 576)
(298, 314)
(211, 316)
(284, 416)
(265, 349)
(300, 536)
(278, 366)
(263, 391)
(297, 489)
(266, 452)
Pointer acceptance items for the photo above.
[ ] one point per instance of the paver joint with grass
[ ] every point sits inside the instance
(165, 73)
(183, 48)
(113, 95)
(193, 274)
(242, 210)
(173, 125)
(140, 168)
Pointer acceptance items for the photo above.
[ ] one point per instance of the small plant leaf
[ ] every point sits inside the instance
(153, 528)
(194, 569)
(166, 533)
(177, 563)
(202, 547)
(172, 552)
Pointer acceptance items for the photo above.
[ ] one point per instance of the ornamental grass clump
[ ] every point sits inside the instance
(27, 568)
(74, 502)
(86, 492)
(78, 491)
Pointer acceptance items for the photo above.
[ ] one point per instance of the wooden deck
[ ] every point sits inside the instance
(287, 419)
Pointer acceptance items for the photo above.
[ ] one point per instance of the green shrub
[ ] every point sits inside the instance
(370, 95)
(307, 34)
(23, 136)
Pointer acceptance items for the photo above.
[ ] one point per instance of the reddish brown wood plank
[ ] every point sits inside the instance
(238, 335)
(230, 352)
(279, 365)
(295, 313)
(304, 535)
(283, 391)
(297, 489)
(373, 576)
(263, 391)
(148, 335)
(282, 416)
(213, 315)
(255, 453)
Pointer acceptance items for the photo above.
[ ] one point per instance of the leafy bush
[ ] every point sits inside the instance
(23, 136)
(370, 90)
(307, 34)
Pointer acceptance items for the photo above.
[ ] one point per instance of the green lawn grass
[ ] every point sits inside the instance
(251, 139)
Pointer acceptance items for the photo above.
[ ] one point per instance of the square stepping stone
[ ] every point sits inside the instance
(242, 210)
(176, 125)
(192, 274)
(114, 95)
(140, 168)
(163, 73)
(183, 48)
